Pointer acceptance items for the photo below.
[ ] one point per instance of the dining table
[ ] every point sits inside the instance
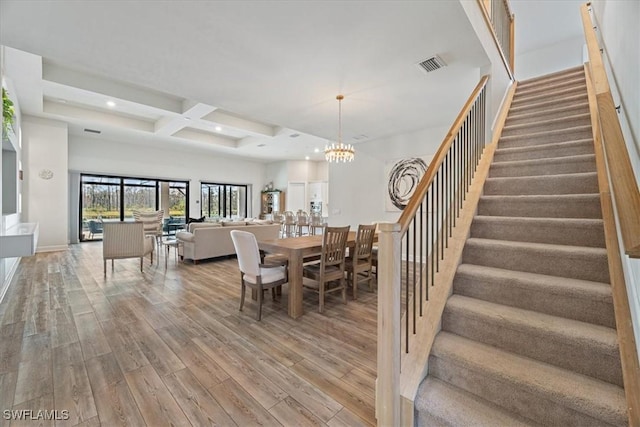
(296, 249)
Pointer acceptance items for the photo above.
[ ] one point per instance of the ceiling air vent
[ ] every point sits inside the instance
(432, 64)
(93, 131)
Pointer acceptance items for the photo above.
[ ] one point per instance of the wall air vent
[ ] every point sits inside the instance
(98, 132)
(431, 64)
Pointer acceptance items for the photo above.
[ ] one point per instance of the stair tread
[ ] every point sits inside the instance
(596, 337)
(558, 222)
(567, 81)
(544, 146)
(547, 122)
(543, 177)
(583, 196)
(560, 285)
(552, 110)
(454, 406)
(545, 160)
(563, 91)
(534, 105)
(579, 69)
(546, 247)
(598, 399)
(547, 132)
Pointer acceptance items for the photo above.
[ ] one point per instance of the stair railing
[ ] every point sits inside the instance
(610, 149)
(625, 187)
(501, 22)
(411, 251)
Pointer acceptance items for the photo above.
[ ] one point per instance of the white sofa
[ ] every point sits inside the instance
(210, 240)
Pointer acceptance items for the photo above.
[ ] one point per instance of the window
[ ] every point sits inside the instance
(224, 200)
(114, 198)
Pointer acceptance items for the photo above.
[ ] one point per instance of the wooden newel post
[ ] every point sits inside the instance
(389, 290)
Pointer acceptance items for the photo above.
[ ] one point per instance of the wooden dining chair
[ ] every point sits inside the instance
(253, 273)
(328, 273)
(359, 263)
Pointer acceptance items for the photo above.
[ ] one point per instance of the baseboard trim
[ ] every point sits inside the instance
(54, 248)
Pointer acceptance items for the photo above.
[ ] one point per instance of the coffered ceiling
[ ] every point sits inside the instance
(248, 78)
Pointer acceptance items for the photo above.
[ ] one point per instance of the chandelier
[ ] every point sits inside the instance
(339, 152)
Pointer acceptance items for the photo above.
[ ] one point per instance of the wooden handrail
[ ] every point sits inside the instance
(624, 326)
(421, 190)
(625, 189)
(508, 64)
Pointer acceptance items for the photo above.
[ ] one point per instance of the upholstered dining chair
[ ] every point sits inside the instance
(359, 263)
(125, 240)
(253, 273)
(328, 273)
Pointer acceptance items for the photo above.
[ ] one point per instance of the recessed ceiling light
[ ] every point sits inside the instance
(316, 150)
(306, 157)
(218, 128)
(187, 118)
(62, 101)
(111, 104)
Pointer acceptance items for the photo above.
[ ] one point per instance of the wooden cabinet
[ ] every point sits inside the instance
(272, 201)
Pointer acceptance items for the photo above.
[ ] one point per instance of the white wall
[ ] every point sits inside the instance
(357, 190)
(144, 159)
(9, 265)
(278, 173)
(45, 147)
(618, 22)
(559, 56)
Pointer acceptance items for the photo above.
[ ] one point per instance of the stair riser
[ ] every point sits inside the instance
(553, 168)
(512, 396)
(544, 105)
(571, 121)
(529, 296)
(559, 184)
(549, 114)
(553, 95)
(533, 153)
(578, 81)
(551, 233)
(580, 265)
(594, 359)
(573, 134)
(587, 208)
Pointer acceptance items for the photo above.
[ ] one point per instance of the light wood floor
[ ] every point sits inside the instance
(172, 348)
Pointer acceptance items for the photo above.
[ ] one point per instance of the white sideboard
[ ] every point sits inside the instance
(19, 240)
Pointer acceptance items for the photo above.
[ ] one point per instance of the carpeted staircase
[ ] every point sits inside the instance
(528, 336)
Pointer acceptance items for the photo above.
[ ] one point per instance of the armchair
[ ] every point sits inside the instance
(125, 240)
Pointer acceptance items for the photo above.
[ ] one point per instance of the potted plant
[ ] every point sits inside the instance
(8, 113)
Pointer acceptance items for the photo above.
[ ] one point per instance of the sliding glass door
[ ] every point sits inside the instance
(224, 200)
(114, 198)
(139, 195)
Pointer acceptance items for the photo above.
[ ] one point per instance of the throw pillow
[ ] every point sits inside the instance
(201, 219)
